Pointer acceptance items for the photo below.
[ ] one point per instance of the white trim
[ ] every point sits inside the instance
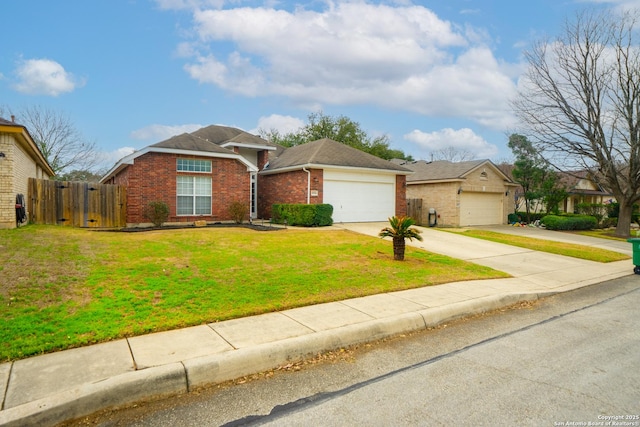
(129, 160)
(328, 167)
(245, 145)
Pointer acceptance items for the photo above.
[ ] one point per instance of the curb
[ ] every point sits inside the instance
(182, 377)
(167, 380)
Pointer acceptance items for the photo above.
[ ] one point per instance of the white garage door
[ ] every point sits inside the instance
(481, 208)
(360, 197)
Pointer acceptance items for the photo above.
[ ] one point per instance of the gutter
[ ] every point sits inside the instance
(308, 184)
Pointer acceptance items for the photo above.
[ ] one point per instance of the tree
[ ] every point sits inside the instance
(341, 129)
(580, 100)
(453, 154)
(57, 138)
(527, 169)
(399, 230)
(81, 175)
(551, 191)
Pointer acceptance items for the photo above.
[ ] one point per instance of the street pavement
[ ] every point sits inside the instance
(51, 388)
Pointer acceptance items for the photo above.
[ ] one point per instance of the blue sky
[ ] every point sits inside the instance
(129, 73)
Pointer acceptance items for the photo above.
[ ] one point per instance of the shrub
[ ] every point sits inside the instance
(156, 212)
(569, 222)
(596, 210)
(238, 211)
(533, 216)
(304, 215)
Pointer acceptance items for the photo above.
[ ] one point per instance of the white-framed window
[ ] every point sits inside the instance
(193, 165)
(194, 195)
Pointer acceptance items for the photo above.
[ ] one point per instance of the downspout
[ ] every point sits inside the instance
(308, 184)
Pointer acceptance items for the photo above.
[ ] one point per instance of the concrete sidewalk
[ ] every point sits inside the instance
(48, 389)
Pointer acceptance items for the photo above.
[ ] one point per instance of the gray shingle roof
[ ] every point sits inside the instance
(223, 134)
(326, 152)
(189, 142)
(441, 170)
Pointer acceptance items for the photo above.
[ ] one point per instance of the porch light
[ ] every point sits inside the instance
(2, 155)
(459, 190)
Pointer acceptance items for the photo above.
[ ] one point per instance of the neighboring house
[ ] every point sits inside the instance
(579, 185)
(462, 194)
(360, 187)
(199, 175)
(20, 159)
(581, 188)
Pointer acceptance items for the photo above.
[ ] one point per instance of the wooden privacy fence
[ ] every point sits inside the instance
(77, 204)
(414, 210)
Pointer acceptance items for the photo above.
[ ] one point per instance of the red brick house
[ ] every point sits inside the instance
(361, 187)
(199, 175)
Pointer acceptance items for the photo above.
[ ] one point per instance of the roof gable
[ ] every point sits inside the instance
(209, 142)
(444, 170)
(22, 135)
(224, 135)
(326, 152)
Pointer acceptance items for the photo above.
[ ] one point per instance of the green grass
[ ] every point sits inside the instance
(603, 234)
(542, 245)
(62, 287)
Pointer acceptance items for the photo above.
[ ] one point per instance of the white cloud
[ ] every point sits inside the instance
(283, 124)
(106, 160)
(161, 132)
(353, 53)
(619, 4)
(462, 139)
(115, 155)
(44, 77)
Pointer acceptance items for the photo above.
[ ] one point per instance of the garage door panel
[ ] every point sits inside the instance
(481, 208)
(360, 201)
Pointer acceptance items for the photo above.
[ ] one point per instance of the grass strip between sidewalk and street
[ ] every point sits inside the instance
(542, 245)
(62, 287)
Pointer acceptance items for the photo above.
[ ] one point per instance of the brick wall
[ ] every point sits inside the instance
(15, 170)
(444, 197)
(7, 194)
(152, 177)
(401, 195)
(288, 187)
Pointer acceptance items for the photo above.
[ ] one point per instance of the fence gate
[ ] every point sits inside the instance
(77, 204)
(414, 210)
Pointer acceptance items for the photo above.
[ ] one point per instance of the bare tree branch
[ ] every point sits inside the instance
(580, 102)
(57, 138)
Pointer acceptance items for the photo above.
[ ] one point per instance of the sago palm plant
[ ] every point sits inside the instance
(399, 230)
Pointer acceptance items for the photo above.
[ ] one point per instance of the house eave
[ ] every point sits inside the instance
(249, 146)
(130, 159)
(436, 181)
(23, 135)
(333, 167)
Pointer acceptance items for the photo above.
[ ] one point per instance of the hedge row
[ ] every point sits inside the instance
(303, 215)
(569, 222)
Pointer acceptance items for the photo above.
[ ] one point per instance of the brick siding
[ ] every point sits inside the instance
(288, 187)
(401, 195)
(152, 178)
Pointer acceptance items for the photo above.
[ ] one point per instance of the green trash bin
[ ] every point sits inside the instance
(635, 244)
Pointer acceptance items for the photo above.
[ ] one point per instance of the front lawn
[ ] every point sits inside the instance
(560, 248)
(62, 287)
